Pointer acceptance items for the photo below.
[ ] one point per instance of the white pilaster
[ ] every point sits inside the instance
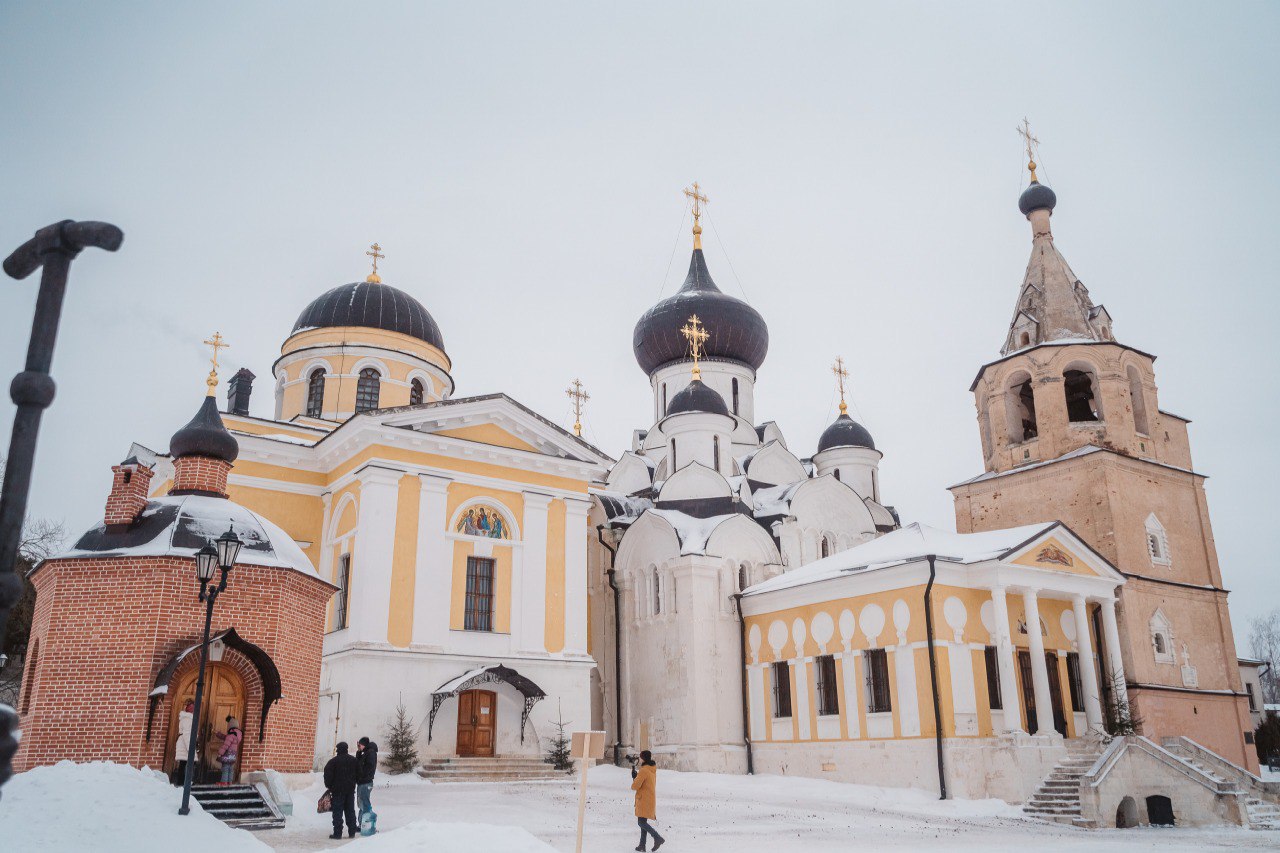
(370, 595)
(1088, 677)
(1115, 663)
(904, 666)
(325, 567)
(533, 575)
(800, 701)
(1004, 652)
(575, 576)
(755, 686)
(852, 690)
(433, 564)
(1039, 672)
(963, 693)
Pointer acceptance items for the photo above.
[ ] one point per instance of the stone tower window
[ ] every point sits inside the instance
(1024, 340)
(1138, 402)
(367, 388)
(1081, 389)
(315, 393)
(1157, 542)
(1020, 403)
(416, 392)
(1161, 638)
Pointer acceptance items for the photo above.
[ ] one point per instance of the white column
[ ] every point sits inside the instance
(800, 701)
(908, 707)
(370, 595)
(533, 575)
(852, 692)
(755, 684)
(1004, 653)
(575, 576)
(433, 564)
(1088, 677)
(1115, 663)
(1039, 672)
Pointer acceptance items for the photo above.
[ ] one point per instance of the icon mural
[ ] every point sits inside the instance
(483, 520)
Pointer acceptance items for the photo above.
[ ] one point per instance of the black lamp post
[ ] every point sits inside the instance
(219, 554)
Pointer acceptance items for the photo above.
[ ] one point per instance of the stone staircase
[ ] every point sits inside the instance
(241, 806)
(1058, 797)
(491, 770)
(1262, 814)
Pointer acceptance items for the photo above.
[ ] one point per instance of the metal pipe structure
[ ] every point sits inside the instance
(52, 248)
(742, 653)
(617, 649)
(933, 674)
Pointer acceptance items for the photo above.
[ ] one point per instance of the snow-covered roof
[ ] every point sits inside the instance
(620, 508)
(179, 525)
(906, 545)
(774, 500)
(692, 532)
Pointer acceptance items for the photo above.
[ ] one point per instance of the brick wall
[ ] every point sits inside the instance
(128, 497)
(107, 626)
(200, 474)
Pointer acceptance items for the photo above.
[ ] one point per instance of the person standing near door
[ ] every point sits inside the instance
(186, 723)
(645, 784)
(367, 756)
(230, 750)
(340, 778)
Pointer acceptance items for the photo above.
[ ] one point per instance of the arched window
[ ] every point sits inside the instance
(1137, 400)
(1157, 542)
(1161, 638)
(715, 450)
(742, 577)
(664, 400)
(416, 393)
(657, 592)
(735, 396)
(1080, 385)
(836, 473)
(673, 456)
(1161, 647)
(1025, 340)
(315, 393)
(826, 547)
(367, 388)
(1020, 403)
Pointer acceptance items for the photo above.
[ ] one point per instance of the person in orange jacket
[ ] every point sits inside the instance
(645, 783)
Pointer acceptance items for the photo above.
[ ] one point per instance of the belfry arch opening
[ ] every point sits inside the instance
(1137, 400)
(1020, 403)
(1080, 386)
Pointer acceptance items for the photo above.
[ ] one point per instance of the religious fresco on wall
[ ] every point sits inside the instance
(483, 520)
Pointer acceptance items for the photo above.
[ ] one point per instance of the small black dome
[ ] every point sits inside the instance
(374, 306)
(1037, 197)
(737, 330)
(696, 397)
(205, 436)
(845, 432)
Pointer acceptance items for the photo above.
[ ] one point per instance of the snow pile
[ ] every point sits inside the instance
(106, 808)
(430, 837)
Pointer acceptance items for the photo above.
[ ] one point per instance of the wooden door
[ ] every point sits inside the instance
(477, 723)
(223, 696)
(1028, 690)
(1055, 692)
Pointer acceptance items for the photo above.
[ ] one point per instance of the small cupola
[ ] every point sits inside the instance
(202, 454)
(697, 397)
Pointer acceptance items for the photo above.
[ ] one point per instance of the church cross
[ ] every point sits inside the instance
(375, 253)
(696, 335)
(216, 343)
(579, 397)
(842, 373)
(1031, 142)
(699, 199)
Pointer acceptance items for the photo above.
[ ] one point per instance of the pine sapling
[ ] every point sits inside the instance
(560, 752)
(402, 742)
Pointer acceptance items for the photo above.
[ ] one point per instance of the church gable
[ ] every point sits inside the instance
(1059, 550)
(489, 434)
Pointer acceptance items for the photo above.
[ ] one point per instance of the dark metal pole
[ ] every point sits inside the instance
(742, 655)
(195, 716)
(52, 248)
(933, 674)
(617, 649)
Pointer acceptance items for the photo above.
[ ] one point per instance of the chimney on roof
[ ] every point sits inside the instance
(238, 391)
(130, 482)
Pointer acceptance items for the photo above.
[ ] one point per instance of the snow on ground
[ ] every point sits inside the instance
(105, 808)
(712, 813)
(424, 836)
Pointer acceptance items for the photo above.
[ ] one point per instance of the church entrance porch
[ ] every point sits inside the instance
(477, 723)
(478, 708)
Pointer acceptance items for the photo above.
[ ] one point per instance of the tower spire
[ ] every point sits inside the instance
(579, 397)
(375, 252)
(697, 335)
(698, 200)
(217, 343)
(842, 373)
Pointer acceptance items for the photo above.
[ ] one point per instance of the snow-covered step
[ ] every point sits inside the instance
(242, 806)
(490, 770)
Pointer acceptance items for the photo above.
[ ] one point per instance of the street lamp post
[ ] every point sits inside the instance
(219, 554)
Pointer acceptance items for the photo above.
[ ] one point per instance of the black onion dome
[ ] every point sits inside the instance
(372, 305)
(697, 397)
(738, 332)
(205, 436)
(845, 432)
(1037, 197)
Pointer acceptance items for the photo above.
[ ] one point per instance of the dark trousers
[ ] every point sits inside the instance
(646, 830)
(344, 805)
(180, 773)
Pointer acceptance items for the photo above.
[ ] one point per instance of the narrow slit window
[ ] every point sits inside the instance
(315, 393)
(416, 393)
(877, 681)
(824, 673)
(343, 595)
(993, 678)
(1073, 678)
(781, 689)
(479, 604)
(735, 396)
(657, 594)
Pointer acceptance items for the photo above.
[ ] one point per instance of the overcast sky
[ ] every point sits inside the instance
(521, 164)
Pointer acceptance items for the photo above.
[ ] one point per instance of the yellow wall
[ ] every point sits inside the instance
(488, 434)
(555, 577)
(404, 560)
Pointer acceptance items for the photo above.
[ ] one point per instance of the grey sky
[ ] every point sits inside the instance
(521, 165)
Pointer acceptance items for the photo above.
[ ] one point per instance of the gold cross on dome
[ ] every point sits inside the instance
(1031, 142)
(579, 397)
(698, 200)
(217, 343)
(842, 374)
(375, 253)
(696, 335)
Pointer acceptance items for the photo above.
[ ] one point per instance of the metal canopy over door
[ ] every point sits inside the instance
(477, 722)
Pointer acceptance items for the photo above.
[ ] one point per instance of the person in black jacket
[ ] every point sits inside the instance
(367, 755)
(340, 778)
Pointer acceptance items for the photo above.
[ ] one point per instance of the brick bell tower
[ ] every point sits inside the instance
(1072, 430)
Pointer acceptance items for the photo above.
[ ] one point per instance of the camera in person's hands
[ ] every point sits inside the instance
(632, 758)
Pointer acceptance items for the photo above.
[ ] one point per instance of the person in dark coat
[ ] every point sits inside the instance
(367, 755)
(340, 778)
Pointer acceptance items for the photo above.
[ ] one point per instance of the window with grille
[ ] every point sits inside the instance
(781, 689)
(877, 681)
(340, 598)
(416, 393)
(479, 614)
(993, 678)
(315, 393)
(367, 387)
(824, 673)
(1073, 679)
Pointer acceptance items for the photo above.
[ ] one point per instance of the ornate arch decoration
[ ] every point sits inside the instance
(531, 692)
(348, 498)
(384, 372)
(490, 505)
(311, 368)
(262, 664)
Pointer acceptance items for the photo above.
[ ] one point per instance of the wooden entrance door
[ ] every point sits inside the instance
(1055, 692)
(223, 696)
(477, 722)
(1029, 691)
